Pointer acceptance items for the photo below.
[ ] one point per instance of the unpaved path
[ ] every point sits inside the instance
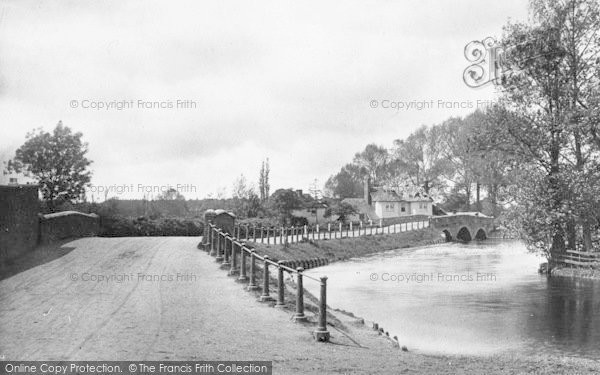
(46, 313)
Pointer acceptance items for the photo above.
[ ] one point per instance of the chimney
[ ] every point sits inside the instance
(367, 191)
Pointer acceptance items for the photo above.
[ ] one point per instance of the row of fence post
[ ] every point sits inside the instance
(225, 248)
(281, 235)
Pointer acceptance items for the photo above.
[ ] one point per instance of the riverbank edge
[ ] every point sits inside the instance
(356, 326)
(573, 272)
(362, 330)
(312, 254)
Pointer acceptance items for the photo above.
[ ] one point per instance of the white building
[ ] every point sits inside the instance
(381, 203)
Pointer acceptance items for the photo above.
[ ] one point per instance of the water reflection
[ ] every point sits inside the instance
(454, 310)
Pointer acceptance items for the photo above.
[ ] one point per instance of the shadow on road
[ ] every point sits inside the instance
(40, 255)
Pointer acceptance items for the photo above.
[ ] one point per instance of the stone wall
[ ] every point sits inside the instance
(19, 221)
(68, 224)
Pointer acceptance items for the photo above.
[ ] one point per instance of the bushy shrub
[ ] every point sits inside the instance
(119, 226)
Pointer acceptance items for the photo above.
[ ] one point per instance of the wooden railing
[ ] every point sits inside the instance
(580, 259)
(227, 249)
(295, 234)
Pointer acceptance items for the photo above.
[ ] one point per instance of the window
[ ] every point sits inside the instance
(389, 207)
(403, 208)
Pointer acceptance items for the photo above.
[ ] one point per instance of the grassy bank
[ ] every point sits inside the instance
(354, 339)
(346, 248)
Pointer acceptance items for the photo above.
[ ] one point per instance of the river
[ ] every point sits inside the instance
(478, 298)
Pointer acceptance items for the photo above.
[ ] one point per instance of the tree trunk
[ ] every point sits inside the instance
(571, 234)
(492, 190)
(477, 191)
(587, 237)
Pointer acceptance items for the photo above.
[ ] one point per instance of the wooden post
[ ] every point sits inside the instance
(226, 253)
(322, 334)
(252, 285)
(243, 276)
(219, 257)
(262, 234)
(265, 291)
(254, 233)
(213, 241)
(280, 286)
(281, 236)
(299, 316)
(233, 270)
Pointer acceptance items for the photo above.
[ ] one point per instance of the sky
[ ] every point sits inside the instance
(193, 94)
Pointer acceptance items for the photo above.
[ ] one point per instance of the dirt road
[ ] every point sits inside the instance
(160, 298)
(133, 298)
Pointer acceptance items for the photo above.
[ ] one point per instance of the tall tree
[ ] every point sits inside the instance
(57, 161)
(263, 181)
(459, 152)
(372, 161)
(421, 158)
(553, 65)
(347, 183)
(284, 201)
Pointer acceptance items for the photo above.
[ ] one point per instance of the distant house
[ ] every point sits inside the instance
(311, 209)
(381, 203)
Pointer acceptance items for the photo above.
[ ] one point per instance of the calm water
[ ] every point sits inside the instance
(477, 298)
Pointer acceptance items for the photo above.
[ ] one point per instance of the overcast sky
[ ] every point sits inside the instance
(291, 81)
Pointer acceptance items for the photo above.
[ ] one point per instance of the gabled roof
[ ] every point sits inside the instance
(385, 196)
(418, 199)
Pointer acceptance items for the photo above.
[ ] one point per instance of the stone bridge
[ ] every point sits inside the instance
(463, 226)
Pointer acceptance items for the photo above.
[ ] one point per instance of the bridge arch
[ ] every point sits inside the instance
(447, 235)
(464, 234)
(480, 234)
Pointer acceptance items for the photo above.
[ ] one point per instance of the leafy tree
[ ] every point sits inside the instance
(245, 200)
(554, 65)
(57, 161)
(459, 152)
(421, 158)
(372, 161)
(346, 183)
(170, 194)
(284, 201)
(342, 210)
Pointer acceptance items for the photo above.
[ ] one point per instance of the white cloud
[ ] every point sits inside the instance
(280, 79)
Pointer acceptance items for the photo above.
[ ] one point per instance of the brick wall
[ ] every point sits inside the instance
(19, 221)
